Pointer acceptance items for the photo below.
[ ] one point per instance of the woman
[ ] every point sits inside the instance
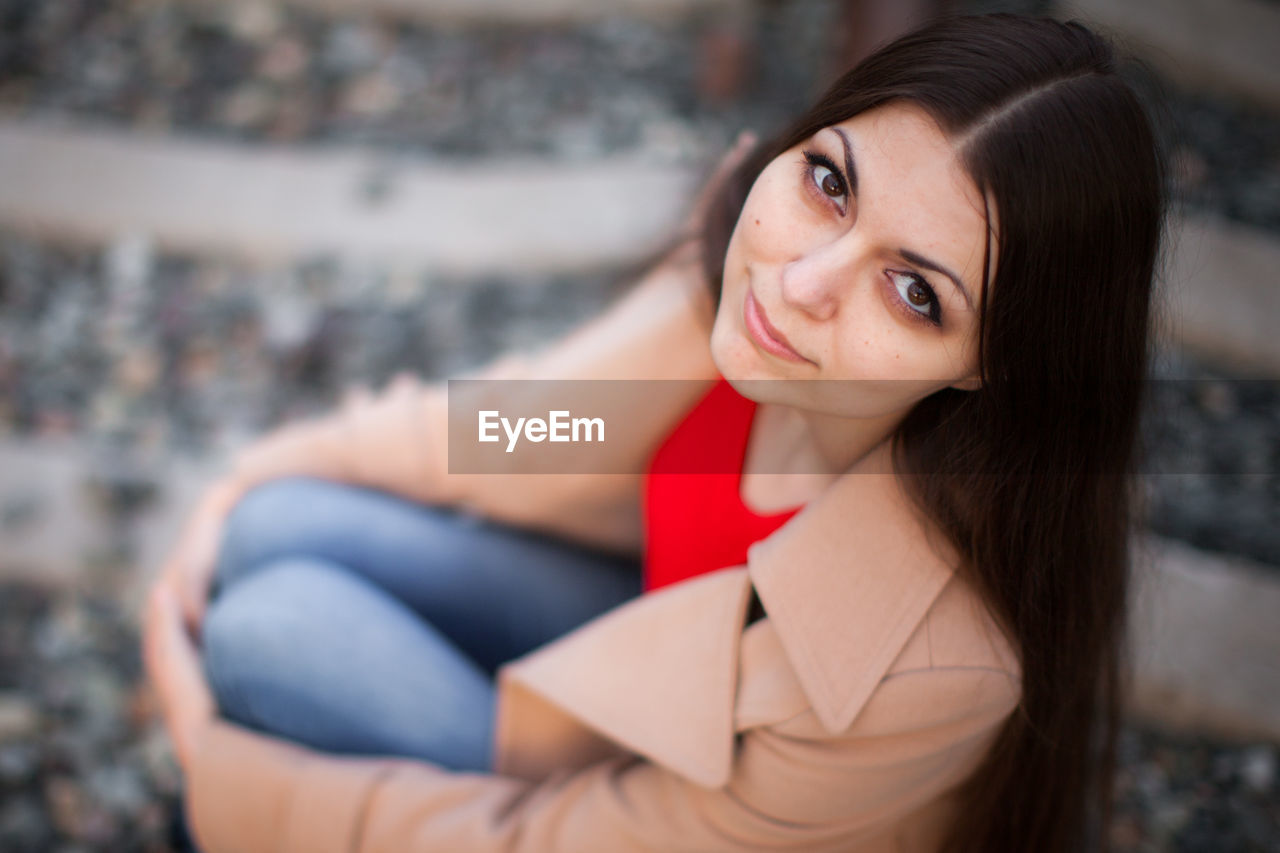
(912, 639)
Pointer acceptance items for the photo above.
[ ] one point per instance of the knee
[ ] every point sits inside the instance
(257, 632)
(265, 522)
(231, 635)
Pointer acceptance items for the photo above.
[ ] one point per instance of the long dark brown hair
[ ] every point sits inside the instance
(1030, 476)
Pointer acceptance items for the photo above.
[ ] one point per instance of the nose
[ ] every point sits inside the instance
(816, 281)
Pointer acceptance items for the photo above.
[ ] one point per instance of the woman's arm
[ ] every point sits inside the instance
(793, 789)
(792, 784)
(397, 440)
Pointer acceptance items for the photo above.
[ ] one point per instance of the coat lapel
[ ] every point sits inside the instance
(844, 583)
(657, 675)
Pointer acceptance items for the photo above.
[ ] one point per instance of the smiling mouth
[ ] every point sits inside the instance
(765, 335)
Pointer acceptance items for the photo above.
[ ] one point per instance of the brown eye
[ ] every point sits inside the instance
(831, 185)
(822, 173)
(917, 294)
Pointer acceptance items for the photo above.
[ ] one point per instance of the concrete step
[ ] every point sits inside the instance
(277, 205)
(48, 527)
(57, 528)
(1228, 46)
(1222, 282)
(274, 205)
(1206, 642)
(498, 11)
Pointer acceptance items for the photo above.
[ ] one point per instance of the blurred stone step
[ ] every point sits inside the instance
(1223, 287)
(501, 11)
(69, 514)
(277, 205)
(47, 523)
(1206, 641)
(1229, 46)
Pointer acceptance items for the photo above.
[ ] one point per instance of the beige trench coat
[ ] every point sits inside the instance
(839, 722)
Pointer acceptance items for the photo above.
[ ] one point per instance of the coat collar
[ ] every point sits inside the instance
(844, 583)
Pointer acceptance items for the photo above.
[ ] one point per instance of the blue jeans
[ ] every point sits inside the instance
(353, 621)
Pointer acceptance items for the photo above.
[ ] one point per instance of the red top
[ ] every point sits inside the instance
(697, 522)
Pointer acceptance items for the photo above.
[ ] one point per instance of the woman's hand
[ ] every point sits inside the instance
(174, 612)
(176, 674)
(188, 572)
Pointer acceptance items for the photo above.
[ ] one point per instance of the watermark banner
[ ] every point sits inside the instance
(1228, 427)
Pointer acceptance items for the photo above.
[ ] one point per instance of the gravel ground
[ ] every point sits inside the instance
(191, 354)
(83, 767)
(261, 72)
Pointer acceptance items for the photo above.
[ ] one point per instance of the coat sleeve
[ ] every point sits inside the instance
(792, 789)
(396, 439)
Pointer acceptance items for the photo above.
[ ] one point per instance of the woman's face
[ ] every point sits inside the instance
(846, 248)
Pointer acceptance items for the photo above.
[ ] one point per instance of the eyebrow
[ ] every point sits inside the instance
(908, 255)
(921, 261)
(848, 161)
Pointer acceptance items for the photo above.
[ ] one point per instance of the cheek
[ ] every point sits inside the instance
(770, 227)
(911, 365)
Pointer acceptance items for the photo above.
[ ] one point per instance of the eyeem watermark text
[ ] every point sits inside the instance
(558, 427)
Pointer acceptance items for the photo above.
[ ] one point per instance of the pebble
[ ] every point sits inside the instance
(67, 806)
(254, 20)
(18, 717)
(249, 106)
(369, 96)
(127, 268)
(285, 60)
(120, 789)
(102, 705)
(23, 824)
(20, 507)
(1258, 768)
(19, 762)
(351, 47)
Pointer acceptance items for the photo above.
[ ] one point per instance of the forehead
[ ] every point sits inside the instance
(913, 186)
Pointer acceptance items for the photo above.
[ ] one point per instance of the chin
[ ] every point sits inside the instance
(732, 353)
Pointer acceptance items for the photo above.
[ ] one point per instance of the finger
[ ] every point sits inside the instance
(152, 649)
(159, 671)
(192, 606)
(177, 579)
(195, 572)
(185, 663)
(176, 672)
(192, 593)
(171, 647)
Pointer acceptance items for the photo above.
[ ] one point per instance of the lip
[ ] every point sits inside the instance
(764, 334)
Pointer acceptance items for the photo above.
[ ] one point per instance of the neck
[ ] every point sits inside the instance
(818, 443)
